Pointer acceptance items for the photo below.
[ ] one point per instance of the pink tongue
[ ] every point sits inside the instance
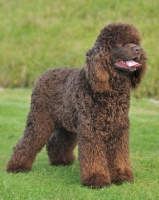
(132, 63)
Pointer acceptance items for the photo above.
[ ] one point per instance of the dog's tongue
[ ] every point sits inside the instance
(132, 63)
(127, 64)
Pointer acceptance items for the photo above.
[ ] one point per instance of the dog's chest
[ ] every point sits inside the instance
(110, 112)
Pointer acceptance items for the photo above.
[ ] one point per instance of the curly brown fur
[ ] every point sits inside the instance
(90, 105)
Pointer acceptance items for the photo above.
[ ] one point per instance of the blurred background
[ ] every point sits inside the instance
(38, 35)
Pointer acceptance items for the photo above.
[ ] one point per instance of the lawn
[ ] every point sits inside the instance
(63, 183)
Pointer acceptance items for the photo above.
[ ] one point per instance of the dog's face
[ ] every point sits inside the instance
(126, 57)
(115, 56)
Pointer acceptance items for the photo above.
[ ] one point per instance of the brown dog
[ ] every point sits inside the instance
(89, 105)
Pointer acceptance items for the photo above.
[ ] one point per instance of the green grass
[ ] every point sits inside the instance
(38, 35)
(63, 183)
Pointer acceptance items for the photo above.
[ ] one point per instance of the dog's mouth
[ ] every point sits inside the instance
(131, 65)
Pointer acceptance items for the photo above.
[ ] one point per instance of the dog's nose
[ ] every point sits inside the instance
(136, 49)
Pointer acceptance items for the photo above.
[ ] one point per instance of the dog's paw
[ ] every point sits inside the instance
(17, 169)
(120, 175)
(97, 181)
(15, 166)
(62, 160)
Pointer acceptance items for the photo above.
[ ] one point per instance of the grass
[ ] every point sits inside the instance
(36, 36)
(63, 183)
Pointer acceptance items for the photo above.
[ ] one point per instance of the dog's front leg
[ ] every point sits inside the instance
(94, 170)
(119, 160)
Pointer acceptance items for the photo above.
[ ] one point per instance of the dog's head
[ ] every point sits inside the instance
(116, 55)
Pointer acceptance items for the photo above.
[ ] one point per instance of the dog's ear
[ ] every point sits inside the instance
(96, 74)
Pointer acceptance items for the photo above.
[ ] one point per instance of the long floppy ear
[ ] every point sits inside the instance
(137, 75)
(96, 74)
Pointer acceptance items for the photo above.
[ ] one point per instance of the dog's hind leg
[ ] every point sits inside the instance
(60, 147)
(39, 128)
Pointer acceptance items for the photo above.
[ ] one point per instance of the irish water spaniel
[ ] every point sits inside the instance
(88, 106)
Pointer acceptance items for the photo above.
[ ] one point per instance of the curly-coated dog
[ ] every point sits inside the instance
(89, 105)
